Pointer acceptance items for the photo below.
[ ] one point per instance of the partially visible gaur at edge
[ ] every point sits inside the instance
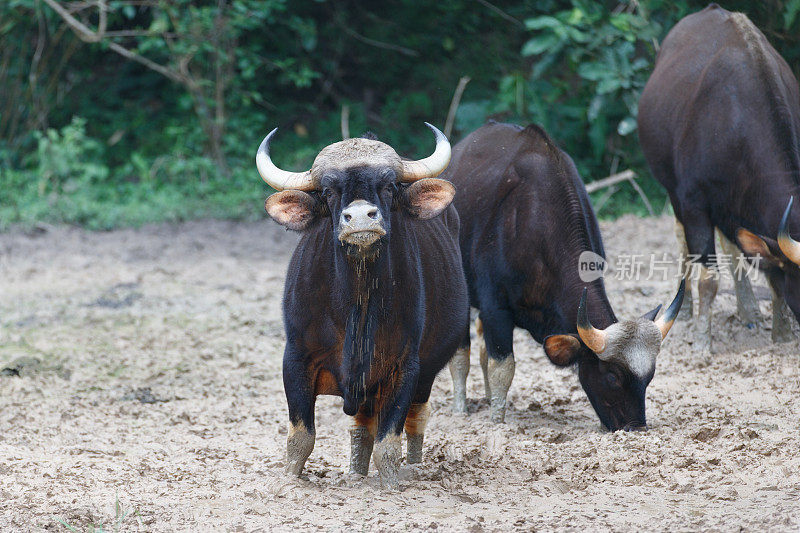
(525, 220)
(375, 302)
(719, 124)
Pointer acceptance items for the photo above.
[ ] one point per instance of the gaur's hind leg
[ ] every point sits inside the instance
(300, 398)
(498, 330)
(362, 439)
(685, 267)
(746, 304)
(392, 409)
(459, 369)
(416, 420)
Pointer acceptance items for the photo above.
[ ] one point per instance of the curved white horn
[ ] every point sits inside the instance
(668, 318)
(276, 178)
(431, 166)
(789, 246)
(592, 337)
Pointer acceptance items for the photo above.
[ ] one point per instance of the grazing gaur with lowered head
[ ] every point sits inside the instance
(719, 125)
(525, 222)
(375, 302)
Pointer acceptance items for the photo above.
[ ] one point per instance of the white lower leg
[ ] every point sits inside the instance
(781, 319)
(416, 421)
(299, 445)
(746, 304)
(501, 373)
(707, 289)
(459, 369)
(361, 443)
(387, 455)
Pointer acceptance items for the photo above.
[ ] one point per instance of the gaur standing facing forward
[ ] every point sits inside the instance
(375, 303)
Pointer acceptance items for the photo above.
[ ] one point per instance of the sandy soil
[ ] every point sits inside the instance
(141, 390)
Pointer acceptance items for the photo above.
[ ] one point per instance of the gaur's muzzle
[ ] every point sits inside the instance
(361, 223)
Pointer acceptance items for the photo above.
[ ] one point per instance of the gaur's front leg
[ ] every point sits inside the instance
(700, 241)
(300, 398)
(782, 317)
(707, 287)
(459, 369)
(498, 329)
(746, 304)
(362, 440)
(416, 420)
(393, 408)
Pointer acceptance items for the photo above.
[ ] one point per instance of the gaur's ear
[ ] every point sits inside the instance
(753, 244)
(294, 209)
(562, 349)
(428, 197)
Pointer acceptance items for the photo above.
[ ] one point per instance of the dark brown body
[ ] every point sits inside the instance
(424, 302)
(525, 220)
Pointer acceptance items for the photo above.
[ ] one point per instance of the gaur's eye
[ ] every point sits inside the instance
(327, 193)
(612, 380)
(389, 175)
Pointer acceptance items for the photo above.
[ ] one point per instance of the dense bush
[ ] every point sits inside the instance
(167, 131)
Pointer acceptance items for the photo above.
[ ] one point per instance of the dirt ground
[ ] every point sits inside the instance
(141, 389)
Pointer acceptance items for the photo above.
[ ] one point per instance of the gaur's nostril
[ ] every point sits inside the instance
(347, 217)
(373, 213)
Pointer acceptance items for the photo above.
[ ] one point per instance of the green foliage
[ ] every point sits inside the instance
(67, 160)
(590, 65)
(69, 183)
(790, 15)
(589, 62)
(610, 54)
(90, 137)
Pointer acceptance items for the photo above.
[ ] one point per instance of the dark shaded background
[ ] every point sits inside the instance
(123, 112)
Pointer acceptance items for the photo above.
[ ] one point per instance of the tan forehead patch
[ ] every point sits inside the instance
(354, 153)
